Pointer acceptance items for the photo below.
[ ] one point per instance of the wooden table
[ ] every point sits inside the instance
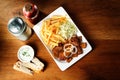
(98, 20)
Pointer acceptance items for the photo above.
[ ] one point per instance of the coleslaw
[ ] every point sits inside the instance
(67, 30)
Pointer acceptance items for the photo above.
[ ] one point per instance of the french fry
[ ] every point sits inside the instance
(59, 38)
(50, 29)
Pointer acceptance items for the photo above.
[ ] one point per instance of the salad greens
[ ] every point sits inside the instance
(67, 30)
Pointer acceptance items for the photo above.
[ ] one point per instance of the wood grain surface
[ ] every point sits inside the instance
(98, 20)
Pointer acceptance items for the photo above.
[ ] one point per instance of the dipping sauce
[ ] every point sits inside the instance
(25, 53)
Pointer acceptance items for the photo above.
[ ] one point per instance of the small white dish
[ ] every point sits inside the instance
(25, 53)
(63, 65)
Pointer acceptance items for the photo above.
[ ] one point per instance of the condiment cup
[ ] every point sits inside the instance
(25, 53)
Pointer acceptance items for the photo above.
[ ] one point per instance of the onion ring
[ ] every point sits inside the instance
(69, 49)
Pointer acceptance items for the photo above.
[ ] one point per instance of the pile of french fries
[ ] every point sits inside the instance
(50, 29)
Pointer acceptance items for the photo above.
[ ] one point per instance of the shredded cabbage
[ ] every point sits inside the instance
(67, 30)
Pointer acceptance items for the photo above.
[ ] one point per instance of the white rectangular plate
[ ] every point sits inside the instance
(63, 65)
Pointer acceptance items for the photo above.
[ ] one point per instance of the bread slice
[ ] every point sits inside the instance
(33, 66)
(19, 67)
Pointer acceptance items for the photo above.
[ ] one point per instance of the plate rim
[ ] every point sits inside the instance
(59, 64)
